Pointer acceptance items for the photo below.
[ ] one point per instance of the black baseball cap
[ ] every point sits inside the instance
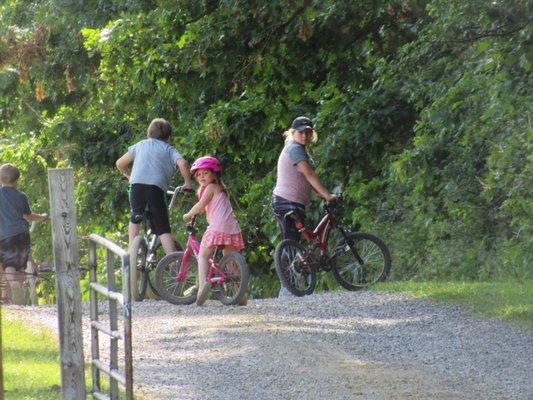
(302, 123)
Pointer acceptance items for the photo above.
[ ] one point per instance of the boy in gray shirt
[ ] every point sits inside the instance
(15, 213)
(154, 162)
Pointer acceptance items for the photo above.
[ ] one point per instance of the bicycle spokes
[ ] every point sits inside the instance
(363, 261)
(230, 278)
(296, 268)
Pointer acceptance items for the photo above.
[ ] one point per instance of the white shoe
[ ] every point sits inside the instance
(284, 293)
(192, 291)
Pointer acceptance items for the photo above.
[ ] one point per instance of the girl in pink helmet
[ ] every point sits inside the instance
(223, 229)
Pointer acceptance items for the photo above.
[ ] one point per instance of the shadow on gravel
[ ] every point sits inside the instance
(339, 345)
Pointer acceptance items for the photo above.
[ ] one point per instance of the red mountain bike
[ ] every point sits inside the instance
(176, 275)
(357, 259)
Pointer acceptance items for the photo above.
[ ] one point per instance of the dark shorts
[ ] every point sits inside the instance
(14, 251)
(281, 206)
(151, 198)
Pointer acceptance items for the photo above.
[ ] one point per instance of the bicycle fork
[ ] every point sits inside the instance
(351, 246)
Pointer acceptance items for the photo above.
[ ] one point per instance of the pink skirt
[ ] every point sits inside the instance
(216, 238)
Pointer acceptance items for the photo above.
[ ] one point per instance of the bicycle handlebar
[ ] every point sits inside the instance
(174, 193)
(191, 226)
(329, 205)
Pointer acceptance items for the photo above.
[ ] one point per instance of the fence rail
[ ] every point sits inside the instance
(115, 299)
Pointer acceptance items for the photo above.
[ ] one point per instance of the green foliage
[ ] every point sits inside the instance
(422, 110)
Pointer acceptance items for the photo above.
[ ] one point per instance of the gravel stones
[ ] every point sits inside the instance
(343, 345)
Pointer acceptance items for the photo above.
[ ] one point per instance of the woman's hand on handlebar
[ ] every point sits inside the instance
(331, 198)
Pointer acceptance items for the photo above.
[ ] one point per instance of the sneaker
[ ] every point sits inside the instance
(192, 291)
(284, 293)
(203, 293)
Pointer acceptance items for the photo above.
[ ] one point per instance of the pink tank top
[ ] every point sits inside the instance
(220, 216)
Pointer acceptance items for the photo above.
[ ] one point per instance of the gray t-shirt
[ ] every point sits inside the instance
(291, 184)
(13, 205)
(154, 162)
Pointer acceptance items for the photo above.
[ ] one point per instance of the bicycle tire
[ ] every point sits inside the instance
(152, 290)
(180, 293)
(347, 270)
(233, 290)
(138, 271)
(296, 275)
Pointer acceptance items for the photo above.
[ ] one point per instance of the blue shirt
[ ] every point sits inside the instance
(154, 162)
(13, 205)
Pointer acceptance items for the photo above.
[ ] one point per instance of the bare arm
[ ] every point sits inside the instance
(314, 180)
(183, 165)
(35, 217)
(122, 164)
(200, 206)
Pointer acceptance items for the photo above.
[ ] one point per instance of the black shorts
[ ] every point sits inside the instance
(152, 198)
(14, 251)
(281, 206)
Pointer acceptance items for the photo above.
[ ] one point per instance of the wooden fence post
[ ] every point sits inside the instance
(1, 356)
(67, 272)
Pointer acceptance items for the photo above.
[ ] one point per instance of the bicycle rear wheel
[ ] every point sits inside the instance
(292, 268)
(138, 268)
(168, 287)
(347, 269)
(233, 290)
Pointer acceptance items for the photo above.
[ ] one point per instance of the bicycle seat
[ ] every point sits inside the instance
(292, 214)
(297, 220)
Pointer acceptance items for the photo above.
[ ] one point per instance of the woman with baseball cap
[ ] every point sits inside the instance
(296, 177)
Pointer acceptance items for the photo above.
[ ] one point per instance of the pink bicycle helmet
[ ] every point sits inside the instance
(206, 162)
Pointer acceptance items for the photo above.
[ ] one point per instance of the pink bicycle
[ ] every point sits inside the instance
(176, 275)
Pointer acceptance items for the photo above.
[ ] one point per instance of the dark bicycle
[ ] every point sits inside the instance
(356, 260)
(145, 252)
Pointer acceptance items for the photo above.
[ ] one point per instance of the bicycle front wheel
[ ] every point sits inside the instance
(294, 271)
(347, 268)
(138, 268)
(169, 288)
(233, 290)
(159, 252)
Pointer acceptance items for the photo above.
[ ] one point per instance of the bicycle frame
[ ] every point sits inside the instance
(215, 276)
(320, 235)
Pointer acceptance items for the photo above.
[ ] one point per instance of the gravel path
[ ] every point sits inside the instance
(349, 345)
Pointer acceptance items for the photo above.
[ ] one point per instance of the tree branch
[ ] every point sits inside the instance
(494, 33)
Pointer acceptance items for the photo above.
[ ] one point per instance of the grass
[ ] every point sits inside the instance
(30, 363)
(508, 301)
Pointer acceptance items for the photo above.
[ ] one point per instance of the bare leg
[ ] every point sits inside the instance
(133, 230)
(14, 282)
(229, 249)
(31, 277)
(3, 284)
(168, 243)
(203, 269)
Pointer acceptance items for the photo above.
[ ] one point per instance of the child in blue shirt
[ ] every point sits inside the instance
(154, 162)
(15, 213)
